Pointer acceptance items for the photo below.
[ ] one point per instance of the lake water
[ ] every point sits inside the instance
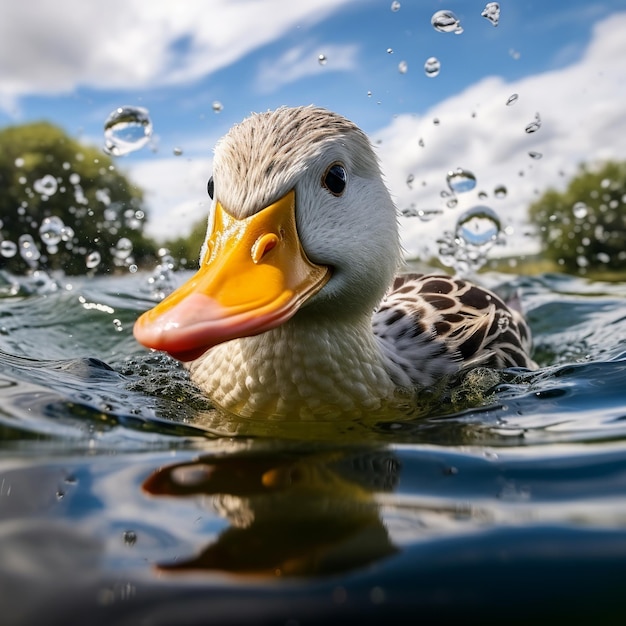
(125, 500)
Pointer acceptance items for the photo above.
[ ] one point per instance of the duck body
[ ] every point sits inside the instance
(296, 311)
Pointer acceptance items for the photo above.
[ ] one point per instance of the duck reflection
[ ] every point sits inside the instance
(290, 514)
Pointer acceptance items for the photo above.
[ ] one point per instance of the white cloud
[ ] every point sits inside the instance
(582, 111)
(50, 48)
(175, 192)
(302, 61)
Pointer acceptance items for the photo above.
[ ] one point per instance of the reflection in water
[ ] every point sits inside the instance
(290, 514)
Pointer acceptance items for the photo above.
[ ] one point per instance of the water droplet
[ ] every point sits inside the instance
(127, 129)
(28, 249)
(482, 195)
(425, 215)
(129, 537)
(369, 94)
(321, 59)
(580, 210)
(395, 6)
(51, 230)
(8, 248)
(535, 155)
(389, 50)
(409, 181)
(19, 162)
(178, 151)
(535, 125)
(513, 98)
(67, 233)
(452, 203)
(217, 106)
(479, 227)
(603, 257)
(403, 67)
(46, 186)
(461, 180)
(102, 195)
(132, 268)
(92, 260)
(123, 248)
(500, 191)
(446, 22)
(118, 325)
(491, 12)
(436, 121)
(432, 67)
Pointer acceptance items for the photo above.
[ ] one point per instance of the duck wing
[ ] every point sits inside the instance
(431, 325)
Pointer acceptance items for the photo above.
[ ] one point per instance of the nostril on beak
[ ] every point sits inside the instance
(263, 245)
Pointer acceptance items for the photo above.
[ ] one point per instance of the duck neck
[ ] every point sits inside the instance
(304, 369)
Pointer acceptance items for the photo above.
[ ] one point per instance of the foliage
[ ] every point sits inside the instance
(45, 174)
(584, 227)
(186, 250)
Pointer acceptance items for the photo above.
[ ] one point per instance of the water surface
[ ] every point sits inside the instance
(125, 499)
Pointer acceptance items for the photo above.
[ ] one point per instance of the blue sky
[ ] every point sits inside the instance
(74, 63)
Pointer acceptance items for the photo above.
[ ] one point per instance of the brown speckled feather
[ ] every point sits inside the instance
(431, 325)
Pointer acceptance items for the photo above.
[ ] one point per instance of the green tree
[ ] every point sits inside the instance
(186, 250)
(65, 203)
(584, 227)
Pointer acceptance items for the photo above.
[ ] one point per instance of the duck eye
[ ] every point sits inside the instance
(210, 187)
(335, 179)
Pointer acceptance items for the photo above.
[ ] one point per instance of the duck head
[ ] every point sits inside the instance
(301, 225)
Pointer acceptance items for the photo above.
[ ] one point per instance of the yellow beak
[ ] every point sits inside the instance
(254, 277)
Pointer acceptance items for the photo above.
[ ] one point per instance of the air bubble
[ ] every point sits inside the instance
(535, 155)
(178, 151)
(395, 6)
(461, 180)
(432, 66)
(403, 67)
(491, 12)
(321, 59)
(217, 106)
(127, 129)
(446, 22)
(512, 99)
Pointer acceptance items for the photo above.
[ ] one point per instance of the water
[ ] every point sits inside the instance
(446, 22)
(127, 129)
(432, 67)
(491, 12)
(124, 499)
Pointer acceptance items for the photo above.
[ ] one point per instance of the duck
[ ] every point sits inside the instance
(299, 309)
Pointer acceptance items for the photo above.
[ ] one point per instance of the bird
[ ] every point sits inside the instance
(299, 309)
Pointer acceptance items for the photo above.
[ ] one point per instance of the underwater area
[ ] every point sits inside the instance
(123, 498)
(126, 498)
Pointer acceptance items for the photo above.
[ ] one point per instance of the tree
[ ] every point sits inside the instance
(64, 205)
(186, 250)
(584, 227)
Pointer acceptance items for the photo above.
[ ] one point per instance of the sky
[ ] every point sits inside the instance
(72, 63)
